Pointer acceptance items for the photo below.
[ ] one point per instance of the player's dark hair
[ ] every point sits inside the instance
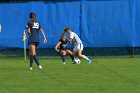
(32, 16)
(66, 29)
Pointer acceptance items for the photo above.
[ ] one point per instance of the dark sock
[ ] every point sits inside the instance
(36, 60)
(31, 60)
(72, 57)
(63, 58)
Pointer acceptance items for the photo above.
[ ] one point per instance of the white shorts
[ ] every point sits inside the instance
(78, 46)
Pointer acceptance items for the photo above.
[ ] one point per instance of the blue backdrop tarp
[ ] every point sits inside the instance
(99, 23)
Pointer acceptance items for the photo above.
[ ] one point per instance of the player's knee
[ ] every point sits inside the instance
(69, 53)
(63, 53)
(33, 53)
(80, 55)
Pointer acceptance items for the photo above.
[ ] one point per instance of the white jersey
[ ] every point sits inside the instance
(75, 38)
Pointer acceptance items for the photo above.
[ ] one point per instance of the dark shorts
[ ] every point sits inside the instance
(64, 49)
(33, 43)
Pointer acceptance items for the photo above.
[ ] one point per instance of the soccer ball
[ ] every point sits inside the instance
(77, 61)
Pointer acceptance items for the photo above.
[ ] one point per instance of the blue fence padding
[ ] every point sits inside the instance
(136, 25)
(99, 23)
(107, 23)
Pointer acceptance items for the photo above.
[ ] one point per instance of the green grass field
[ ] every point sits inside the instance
(104, 75)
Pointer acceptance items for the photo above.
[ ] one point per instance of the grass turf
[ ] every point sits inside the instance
(104, 75)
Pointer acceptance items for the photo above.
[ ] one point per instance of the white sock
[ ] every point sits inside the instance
(85, 57)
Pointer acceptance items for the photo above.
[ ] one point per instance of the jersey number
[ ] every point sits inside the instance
(36, 25)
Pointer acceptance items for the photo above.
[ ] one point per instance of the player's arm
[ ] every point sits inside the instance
(70, 40)
(45, 40)
(29, 31)
(56, 47)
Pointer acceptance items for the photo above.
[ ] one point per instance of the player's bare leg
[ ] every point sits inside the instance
(33, 51)
(71, 55)
(31, 60)
(83, 56)
(74, 52)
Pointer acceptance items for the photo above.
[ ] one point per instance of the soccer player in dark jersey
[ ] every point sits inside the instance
(61, 47)
(33, 31)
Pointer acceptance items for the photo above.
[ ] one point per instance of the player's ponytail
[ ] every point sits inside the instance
(32, 17)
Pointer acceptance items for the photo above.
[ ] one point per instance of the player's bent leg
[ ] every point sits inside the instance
(63, 55)
(68, 52)
(74, 53)
(83, 56)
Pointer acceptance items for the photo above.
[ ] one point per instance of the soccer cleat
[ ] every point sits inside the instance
(64, 63)
(89, 61)
(31, 68)
(40, 67)
(73, 62)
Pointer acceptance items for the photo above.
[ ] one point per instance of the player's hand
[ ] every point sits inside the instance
(57, 50)
(45, 40)
(70, 42)
(29, 34)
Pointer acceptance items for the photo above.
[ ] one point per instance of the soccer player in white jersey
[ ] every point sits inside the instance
(78, 44)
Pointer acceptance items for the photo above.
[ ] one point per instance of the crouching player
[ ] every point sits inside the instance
(78, 48)
(61, 48)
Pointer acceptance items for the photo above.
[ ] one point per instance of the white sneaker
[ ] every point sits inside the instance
(40, 67)
(64, 63)
(31, 68)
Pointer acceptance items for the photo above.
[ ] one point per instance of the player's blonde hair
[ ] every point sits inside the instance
(63, 35)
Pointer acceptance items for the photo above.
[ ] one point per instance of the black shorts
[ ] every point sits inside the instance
(63, 49)
(34, 43)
